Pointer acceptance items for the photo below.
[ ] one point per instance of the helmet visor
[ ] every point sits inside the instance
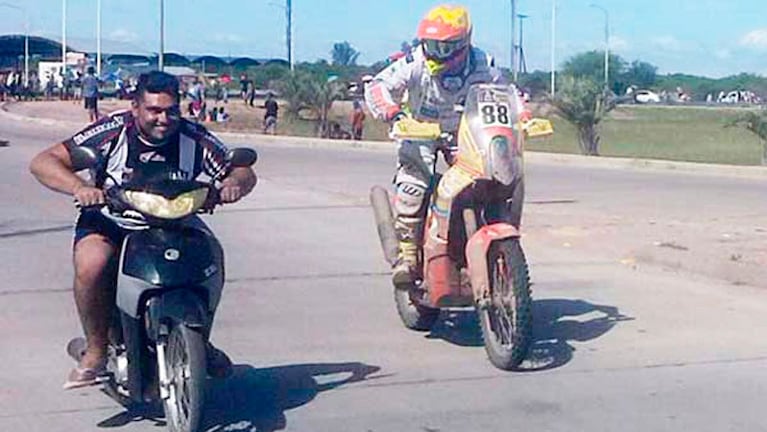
(442, 50)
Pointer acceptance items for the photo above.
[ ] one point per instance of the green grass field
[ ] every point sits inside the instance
(695, 134)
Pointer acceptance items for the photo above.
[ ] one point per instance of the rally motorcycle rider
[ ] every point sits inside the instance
(434, 76)
(149, 138)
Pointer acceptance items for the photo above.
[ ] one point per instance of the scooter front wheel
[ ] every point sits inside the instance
(506, 318)
(185, 363)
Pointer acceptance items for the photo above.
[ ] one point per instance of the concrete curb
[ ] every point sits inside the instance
(254, 139)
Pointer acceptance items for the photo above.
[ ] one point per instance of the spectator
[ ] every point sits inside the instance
(270, 115)
(222, 116)
(78, 85)
(90, 91)
(251, 93)
(213, 117)
(244, 85)
(357, 120)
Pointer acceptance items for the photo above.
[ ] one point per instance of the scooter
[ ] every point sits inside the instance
(471, 254)
(170, 278)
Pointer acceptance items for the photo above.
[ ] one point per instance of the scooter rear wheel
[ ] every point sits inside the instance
(506, 320)
(185, 363)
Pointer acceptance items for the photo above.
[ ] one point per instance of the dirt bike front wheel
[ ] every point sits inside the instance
(413, 315)
(506, 319)
(186, 365)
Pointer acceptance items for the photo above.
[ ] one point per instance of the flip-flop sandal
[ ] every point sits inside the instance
(85, 377)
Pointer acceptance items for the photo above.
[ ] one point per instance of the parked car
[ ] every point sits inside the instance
(646, 97)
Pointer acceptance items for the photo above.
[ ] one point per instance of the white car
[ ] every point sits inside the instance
(646, 97)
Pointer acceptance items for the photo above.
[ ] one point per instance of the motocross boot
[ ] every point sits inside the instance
(405, 269)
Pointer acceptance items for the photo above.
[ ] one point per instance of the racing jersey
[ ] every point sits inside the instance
(426, 97)
(190, 152)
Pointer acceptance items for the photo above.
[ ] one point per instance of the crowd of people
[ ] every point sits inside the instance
(198, 94)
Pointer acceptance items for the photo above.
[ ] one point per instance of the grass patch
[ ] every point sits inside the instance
(695, 134)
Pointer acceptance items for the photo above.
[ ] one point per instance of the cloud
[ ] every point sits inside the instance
(123, 35)
(756, 38)
(669, 43)
(618, 43)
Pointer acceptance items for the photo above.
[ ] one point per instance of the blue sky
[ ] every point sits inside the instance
(704, 37)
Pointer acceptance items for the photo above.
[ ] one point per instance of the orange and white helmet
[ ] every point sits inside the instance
(445, 33)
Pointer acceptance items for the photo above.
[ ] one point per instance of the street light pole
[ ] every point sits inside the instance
(553, 47)
(26, 37)
(98, 38)
(63, 38)
(607, 43)
(161, 58)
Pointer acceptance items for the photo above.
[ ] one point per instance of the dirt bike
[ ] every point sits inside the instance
(170, 278)
(471, 254)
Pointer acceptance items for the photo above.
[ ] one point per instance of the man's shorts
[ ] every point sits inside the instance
(91, 103)
(91, 221)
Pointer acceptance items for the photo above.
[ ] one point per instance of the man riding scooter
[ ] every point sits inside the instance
(435, 76)
(150, 137)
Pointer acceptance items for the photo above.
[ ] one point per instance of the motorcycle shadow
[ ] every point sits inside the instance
(555, 323)
(256, 399)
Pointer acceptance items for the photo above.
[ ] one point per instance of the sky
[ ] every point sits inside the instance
(701, 37)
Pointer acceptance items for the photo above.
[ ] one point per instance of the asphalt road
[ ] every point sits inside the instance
(645, 317)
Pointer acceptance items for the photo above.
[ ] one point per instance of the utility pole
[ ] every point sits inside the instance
(289, 30)
(521, 57)
(513, 40)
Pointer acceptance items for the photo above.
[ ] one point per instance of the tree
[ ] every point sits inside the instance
(292, 90)
(641, 74)
(320, 94)
(584, 103)
(344, 54)
(592, 65)
(314, 92)
(755, 122)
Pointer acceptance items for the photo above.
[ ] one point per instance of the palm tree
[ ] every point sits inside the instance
(344, 54)
(293, 91)
(320, 95)
(755, 122)
(584, 103)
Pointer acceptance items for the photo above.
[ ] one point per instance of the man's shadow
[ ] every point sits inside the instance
(256, 399)
(555, 323)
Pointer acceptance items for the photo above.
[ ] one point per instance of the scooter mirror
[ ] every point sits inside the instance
(243, 157)
(83, 158)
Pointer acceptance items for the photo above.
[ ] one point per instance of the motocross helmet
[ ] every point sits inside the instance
(445, 35)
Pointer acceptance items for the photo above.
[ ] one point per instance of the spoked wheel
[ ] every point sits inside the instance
(185, 363)
(415, 316)
(506, 319)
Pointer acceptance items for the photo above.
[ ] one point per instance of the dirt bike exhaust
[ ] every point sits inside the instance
(379, 200)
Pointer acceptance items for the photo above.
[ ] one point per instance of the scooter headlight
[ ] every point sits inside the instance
(165, 208)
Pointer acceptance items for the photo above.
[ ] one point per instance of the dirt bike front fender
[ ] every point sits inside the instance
(476, 255)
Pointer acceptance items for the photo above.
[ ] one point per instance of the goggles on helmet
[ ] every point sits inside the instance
(442, 50)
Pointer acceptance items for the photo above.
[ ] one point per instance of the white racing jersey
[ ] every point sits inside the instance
(427, 97)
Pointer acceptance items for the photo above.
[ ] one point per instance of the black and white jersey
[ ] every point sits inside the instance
(191, 151)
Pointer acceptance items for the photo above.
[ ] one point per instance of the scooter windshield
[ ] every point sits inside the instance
(492, 112)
